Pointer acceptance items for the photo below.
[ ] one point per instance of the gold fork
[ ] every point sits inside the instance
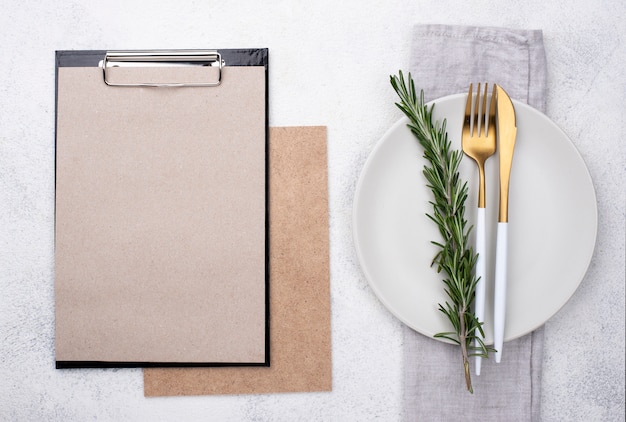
(479, 142)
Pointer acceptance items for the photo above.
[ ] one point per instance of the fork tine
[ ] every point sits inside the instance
(476, 115)
(483, 112)
(468, 106)
(492, 108)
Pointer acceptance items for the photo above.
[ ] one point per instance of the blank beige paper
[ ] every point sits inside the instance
(160, 248)
(299, 277)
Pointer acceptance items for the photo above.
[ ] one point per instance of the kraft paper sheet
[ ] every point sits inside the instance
(299, 277)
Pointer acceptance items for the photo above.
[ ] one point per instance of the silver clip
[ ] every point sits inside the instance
(152, 58)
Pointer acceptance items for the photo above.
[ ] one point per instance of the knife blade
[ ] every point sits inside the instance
(507, 133)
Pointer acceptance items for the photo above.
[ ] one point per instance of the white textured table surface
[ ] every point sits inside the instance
(330, 63)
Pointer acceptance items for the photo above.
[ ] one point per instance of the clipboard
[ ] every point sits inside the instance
(161, 209)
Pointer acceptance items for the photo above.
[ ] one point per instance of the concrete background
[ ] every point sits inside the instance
(330, 64)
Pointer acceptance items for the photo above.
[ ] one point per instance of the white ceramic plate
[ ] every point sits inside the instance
(552, 223)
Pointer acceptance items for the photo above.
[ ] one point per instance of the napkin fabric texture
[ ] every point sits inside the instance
(445, 60)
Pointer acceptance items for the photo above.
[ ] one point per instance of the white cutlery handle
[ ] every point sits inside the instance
(481, 274)
(499, 316)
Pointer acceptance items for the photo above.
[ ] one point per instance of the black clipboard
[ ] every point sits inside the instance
(160, 258)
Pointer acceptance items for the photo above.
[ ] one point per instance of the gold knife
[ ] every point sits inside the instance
(507, 132)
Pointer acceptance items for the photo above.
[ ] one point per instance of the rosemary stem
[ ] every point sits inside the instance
(455, 259)
(464, 354)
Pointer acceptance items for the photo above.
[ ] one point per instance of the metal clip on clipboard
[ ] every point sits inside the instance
(162, 58)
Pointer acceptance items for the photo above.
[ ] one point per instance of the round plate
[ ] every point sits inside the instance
(552, 223)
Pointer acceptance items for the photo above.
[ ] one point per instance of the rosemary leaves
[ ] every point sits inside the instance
(455, 259)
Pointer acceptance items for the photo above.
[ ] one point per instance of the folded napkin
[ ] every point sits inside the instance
(445, 60)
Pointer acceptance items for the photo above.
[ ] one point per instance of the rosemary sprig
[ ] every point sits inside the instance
(455, 258)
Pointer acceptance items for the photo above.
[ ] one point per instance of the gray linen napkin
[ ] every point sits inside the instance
(444, 60)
